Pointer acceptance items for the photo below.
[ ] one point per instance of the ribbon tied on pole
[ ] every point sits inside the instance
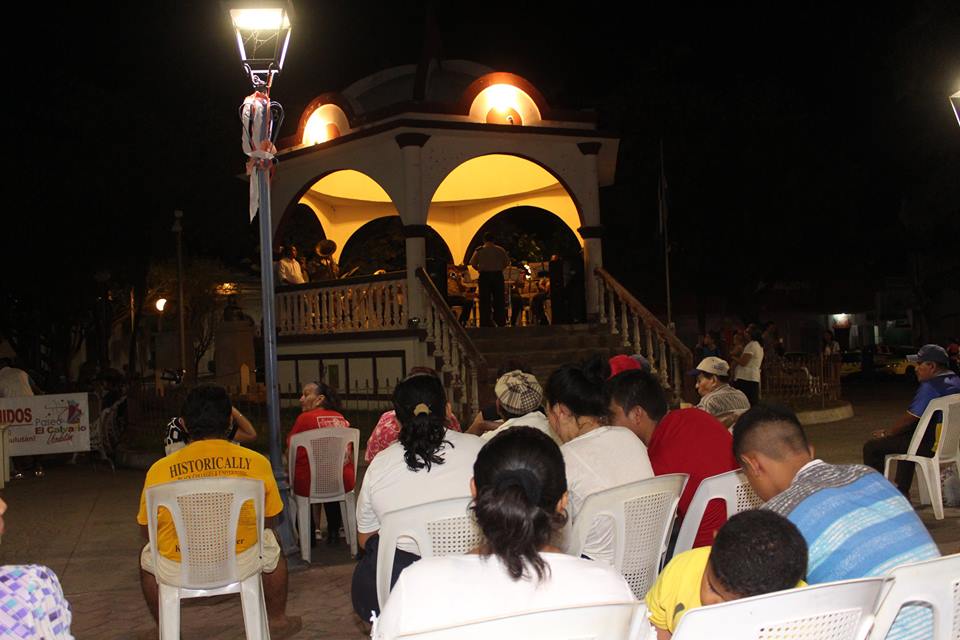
(257, 121)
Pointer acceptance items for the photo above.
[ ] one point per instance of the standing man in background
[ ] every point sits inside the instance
(490, 260)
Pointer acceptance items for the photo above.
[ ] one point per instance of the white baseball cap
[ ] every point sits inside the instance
(714, 366)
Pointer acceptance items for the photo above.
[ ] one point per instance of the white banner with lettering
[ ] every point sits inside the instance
(55, 423)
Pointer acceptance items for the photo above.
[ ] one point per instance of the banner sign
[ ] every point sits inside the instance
(37, 425)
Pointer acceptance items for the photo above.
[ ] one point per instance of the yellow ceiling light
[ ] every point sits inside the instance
(493, 176)
(504, 104)
(350, 185)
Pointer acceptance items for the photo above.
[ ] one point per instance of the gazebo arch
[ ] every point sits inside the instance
(483, 186)
(375, 245)
(534, 222)
(343, 200)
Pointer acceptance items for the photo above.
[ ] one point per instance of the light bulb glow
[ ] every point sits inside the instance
(502, 97)
(257, 19)
(161, 303)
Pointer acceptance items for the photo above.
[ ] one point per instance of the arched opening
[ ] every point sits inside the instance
(340, 202)
(484, 187)
(529, 234)
(379, 244)
(301, 228)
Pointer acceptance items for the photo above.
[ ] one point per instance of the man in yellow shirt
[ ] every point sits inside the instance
(207, 416)
(755, 552)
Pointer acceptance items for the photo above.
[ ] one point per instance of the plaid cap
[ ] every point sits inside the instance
(518, 392)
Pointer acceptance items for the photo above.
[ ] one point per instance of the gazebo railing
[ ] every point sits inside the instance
(453, 348)
(642, 332)
(367, 303)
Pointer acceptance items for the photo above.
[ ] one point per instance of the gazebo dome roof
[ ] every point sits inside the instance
(445, 83)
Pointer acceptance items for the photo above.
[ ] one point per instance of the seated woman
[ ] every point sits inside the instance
(520, 500)
(320, 406)
(597, 457)
(429, 463)
(388, 427)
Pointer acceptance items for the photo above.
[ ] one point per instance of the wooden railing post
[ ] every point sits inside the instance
(601, 303)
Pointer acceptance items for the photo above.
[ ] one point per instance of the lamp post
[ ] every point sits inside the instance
(181, 303)
(263, 33)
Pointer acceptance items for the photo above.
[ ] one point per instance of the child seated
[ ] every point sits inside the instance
(755, 552)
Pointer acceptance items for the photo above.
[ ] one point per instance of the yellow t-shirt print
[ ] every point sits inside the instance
(213, 458)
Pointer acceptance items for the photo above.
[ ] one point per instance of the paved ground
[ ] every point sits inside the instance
(80, 521)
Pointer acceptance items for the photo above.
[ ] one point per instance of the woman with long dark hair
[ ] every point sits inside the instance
(597, 456)
(520, 501)
(428, 462)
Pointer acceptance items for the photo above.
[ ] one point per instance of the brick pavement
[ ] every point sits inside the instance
(79, 520)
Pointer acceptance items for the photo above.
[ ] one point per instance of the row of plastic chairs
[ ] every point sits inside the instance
(848, 610)
(206, 514)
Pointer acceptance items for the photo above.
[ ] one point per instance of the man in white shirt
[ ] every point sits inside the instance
(747, 375)
(288, 270)
(490, 259)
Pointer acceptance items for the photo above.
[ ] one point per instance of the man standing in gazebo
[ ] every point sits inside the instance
(490, 259)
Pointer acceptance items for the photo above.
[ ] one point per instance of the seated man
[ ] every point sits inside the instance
(717, 397)
(936, 381)
(519, 404)
(855, 522)
(687, 441)
(755, 552)
(207, 414)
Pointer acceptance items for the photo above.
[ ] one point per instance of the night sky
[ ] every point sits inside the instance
(801, 142)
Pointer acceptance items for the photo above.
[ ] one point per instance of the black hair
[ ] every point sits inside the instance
(771, 429)
(206, 412)
(579, 387)
(520, 479)
(637, 388)
(421, 431)
(331, 398)
(488, 236)
(757, 552)
(287, 251)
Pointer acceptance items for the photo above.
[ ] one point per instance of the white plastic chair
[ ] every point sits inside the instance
(608, 621)
(642, 513)
(439, 528)
(948, 450)
(829, 611)
(732, 487)
(935, 582)
(326, 450)
(205, 513)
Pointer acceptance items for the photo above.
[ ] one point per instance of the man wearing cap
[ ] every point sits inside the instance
(519, 397)
(717, 397)
(936, 381)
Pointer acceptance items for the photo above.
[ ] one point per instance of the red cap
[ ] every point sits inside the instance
(619, 364)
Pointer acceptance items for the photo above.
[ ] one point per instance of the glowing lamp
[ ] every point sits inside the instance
(503, 100)
(955, 101)
(319, 129)
(263, 33)
(161, 303)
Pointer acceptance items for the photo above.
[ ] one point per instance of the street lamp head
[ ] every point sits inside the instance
(263, 33)
(161, 303)
(955, 101)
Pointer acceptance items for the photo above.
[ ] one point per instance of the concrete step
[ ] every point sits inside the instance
(513, 344)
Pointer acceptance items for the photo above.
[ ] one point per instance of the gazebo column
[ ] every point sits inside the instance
(591, 231)
(413, 213)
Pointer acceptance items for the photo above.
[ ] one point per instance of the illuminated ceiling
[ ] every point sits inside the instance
(493, 176)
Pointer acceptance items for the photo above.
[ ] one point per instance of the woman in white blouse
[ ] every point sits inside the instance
(597, 456)
(520, 499)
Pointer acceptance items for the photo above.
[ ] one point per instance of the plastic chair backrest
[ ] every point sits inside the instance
(949, 409)
(732, 487)
(205, 513)
(440, 528)
(643, 515)
(829, 611)
(326, 450)
(619, 620)
(935, 582)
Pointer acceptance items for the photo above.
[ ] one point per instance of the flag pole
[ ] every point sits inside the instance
(664, 230)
